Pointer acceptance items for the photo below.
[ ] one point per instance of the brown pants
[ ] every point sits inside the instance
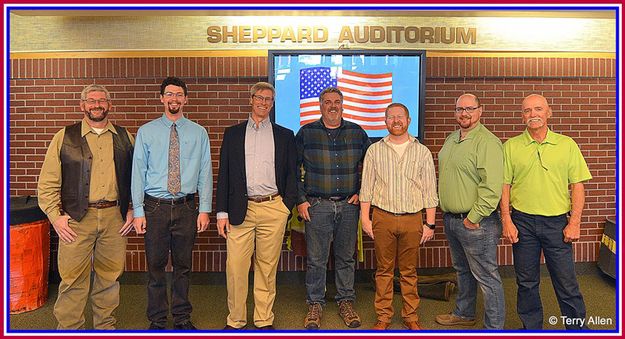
(396, 242)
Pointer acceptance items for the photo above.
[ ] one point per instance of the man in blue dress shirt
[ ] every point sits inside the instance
(171, 163)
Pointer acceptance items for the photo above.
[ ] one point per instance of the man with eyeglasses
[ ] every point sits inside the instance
(84, 189)
(540, 167)
(256, 190)
(470, 169)
(399, 180)
(329, 154)
(171, 163)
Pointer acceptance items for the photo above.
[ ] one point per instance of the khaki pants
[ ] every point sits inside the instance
(396, 242)
(263, 228)
(98, 245)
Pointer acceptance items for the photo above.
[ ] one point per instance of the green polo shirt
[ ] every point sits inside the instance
(540, 173)
(470, 173)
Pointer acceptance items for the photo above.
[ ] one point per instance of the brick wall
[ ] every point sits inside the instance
(44, 97)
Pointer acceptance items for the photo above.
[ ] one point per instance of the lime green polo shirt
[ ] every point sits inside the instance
(470, 173)
(540, 173)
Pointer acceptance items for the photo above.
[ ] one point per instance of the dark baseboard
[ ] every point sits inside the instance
(299, 277)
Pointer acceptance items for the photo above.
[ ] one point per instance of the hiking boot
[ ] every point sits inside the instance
(451, 319)
(313, 318)
(346, 311)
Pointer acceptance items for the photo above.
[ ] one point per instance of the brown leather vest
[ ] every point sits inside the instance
(76, 160)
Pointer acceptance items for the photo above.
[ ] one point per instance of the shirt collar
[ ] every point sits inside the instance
(324, 126)
(86, 128)
(410, 139)
(549, 139)
(180, 122)
(252, 124)
(456, 133)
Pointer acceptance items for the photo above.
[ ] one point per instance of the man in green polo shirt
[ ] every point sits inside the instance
(539, 168)
(470, 167)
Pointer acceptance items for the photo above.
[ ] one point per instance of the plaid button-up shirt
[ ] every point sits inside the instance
(330, 161)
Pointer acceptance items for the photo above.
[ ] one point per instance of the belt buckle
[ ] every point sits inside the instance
(99, 204)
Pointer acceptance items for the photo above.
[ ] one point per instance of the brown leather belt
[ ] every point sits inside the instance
(263, 198)
(103, 204)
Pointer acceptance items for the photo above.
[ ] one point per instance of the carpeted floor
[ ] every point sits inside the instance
(208, 295)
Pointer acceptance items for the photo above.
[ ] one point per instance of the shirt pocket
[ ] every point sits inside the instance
(189, 150)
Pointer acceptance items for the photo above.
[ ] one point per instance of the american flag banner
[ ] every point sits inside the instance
(365, 96)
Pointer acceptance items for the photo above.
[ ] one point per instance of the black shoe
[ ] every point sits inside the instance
(186, 326)
(155, 326)
(230, 328)
(265, 328)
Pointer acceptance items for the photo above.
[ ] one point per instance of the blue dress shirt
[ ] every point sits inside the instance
(150, 161)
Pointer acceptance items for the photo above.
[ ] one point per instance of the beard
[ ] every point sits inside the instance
(92, 114)
(465, 123)
(174, 110)
(397, 132)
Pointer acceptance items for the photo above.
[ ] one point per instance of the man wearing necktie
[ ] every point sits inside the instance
(166, 175)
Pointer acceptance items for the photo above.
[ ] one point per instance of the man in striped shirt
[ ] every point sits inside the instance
(329, 154)
(399, 180)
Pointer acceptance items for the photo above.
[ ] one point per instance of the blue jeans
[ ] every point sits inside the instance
(538, 233)
(474, 257)
(333, 222)
(170, 228)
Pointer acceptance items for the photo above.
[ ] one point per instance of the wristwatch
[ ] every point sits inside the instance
(430, 226)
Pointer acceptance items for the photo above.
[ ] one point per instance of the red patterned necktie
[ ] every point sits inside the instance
(173, 173)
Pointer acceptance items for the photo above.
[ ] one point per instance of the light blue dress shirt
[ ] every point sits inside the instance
(150, 161)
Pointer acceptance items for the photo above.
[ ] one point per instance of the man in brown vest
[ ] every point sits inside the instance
(84, 188)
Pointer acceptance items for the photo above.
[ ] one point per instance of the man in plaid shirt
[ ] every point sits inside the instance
(330, 153)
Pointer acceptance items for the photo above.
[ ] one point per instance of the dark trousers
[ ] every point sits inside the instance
(169, 228)
(538, 233)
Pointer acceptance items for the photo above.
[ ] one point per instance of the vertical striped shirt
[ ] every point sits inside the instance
(330, 159)
(399, 184)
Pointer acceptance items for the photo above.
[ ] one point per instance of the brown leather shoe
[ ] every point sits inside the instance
(451, 319)
(381, 326)
(413, 325)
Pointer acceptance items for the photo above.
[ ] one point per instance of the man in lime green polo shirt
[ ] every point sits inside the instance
(470, 170)
(539, 168)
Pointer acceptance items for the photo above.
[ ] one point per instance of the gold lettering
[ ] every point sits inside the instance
(412, 34)
(214, 34)
(447, 39)
(377, 34)
(274, 33)
(346, 34)
(320, 30)
(260, 32)
(225, 33)
(288, 35)
(244, 34)
(427, 33)
(470, 36)
(361, 38)
(393, 31)
(303, 33)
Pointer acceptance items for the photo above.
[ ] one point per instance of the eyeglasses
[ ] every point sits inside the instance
(171, 95)
(468, 109)
(98, 101)
(261, 98)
